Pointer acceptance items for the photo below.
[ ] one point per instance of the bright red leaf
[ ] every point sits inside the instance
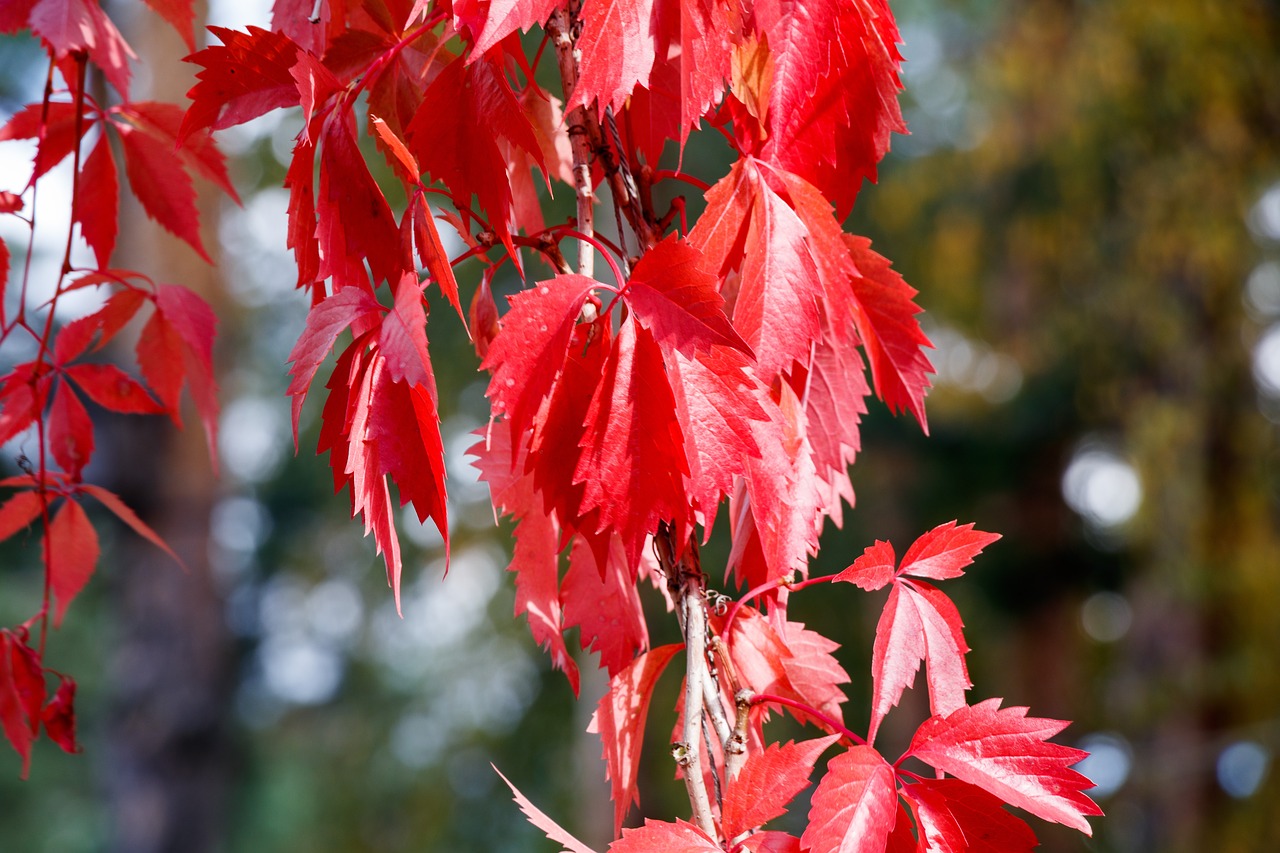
(244, 77)
(1007, 753)
(619, 719)
(956, 817)
(73, 554)
(662, 837)
(536, 817)
(768, 782)
(854, 806)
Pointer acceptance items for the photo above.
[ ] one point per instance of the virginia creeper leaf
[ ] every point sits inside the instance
(854, 806)
(956, 817)
(73, 553)
(112, 388)
(536, 817)
(944, 551)
(619, 719)
(122, 511)
(244, 77)
(18, 512)
(655, 835)
(768, 782)
(1007, 753)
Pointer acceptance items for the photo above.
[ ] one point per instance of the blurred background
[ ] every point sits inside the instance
(1089, 203)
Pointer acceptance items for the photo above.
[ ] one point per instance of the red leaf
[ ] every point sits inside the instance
(58, 127)
(180, 14)
(59, 716)
(772, 842)
(112, 388)
(768, 782)
(73, 553)
(97, 200)
(464, 153)
(159, 351)
(633, 463)
(325, 321)
(812, 670)
(890, 332)
(662, 837)
(18, 729)
(536, 817)
(536, 562)
(18, 512)
(403, 336)
(197, 150)
(161, 185)
(919, 622)
(22, 403)
(956, 817)
(748, 226)
(854, 807)
(71, 26)
(875, 568)
(302, 213)
(604, 602)
(244, 77)
(691, 42)
(944, 551)
(1007, 753)
(618, 50)
(526, 356)
(129, 517)
(620, 719)
(355, 221)
(677, 300)
(834, 96)
(506, 16)
(432, 255)
(70, 432)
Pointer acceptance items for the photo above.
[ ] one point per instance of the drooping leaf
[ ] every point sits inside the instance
(619, 720)
(604, 603)
(957, 817)
(633, 465)
(325, 322)
(18, 729)
(618, 50)
(854, 807)
(97, 200)
(181, 16)
(73, 553)
(59, 716)
(161, 185)
(74, 26)
(768, 782)
(70, 431)
(536, 817)
(122, 511)
(890, 331)
(1008, 754)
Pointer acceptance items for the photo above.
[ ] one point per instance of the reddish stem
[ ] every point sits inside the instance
(831, 723)
(673, 175)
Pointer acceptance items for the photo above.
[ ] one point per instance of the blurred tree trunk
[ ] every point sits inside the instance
(169, 762)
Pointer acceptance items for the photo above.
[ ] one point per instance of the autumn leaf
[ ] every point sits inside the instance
(619, 720)
(73, 554)
(539, 819)
(1008, 754)
(244, 77)
(854, 806)
(768, 782)
(654, 836)
(956, 817)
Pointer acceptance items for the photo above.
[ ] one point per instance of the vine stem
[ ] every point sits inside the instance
(560, 27)
(830, 722)
(689, 584)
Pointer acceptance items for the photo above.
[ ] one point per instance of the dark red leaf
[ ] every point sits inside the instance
(59, 716)
(604, 602)
(181, 16)
(13, 719)
(244, 77)
(161, 185)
